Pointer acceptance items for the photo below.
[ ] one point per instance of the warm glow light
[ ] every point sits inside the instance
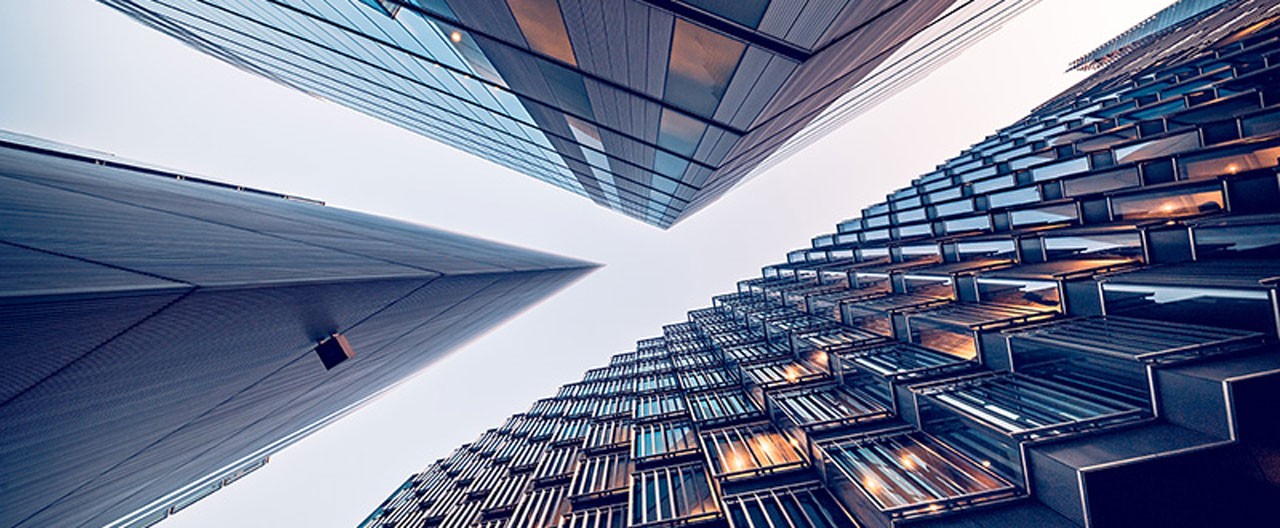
(1168, 208)
(870, 484)
(1233, 168)
(736, 463)
(935, 507)
(907, 462)
(455, 36)
(986, 463)
(792, 373)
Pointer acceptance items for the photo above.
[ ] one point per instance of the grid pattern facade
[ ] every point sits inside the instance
(652, 108)
(1071, 324)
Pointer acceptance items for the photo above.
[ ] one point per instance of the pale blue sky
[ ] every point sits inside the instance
(80, 73)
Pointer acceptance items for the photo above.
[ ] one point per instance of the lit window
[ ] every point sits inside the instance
(700, 66)
(543, 28)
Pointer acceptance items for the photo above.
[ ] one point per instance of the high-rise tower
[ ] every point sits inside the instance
(1073, 323)
(163, 334)
(653, 108)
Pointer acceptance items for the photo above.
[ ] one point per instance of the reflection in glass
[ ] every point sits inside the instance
(543, 28)
(700, 66)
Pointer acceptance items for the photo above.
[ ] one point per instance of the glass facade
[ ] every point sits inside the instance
(1070, 324)
(651, 108)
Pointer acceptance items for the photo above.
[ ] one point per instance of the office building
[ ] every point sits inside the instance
(1072, 323)
(653, 108)
(164, 334)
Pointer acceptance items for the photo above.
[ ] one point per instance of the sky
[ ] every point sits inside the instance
(79, 73)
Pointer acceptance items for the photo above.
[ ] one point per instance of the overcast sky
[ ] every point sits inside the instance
(80, 73)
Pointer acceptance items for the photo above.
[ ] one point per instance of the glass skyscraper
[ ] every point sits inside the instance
(165, 334)
(1072, 323)
(653, 108)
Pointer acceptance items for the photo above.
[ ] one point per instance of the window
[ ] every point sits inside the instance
(802, 506)
(1169, 204)
(750, 450)
(601, 476)
(607, 435)
(543, 28)
(656, 405)
(556, 464)
(540, 508)
(680, 493)
(912, 474)
(506, 494)
(709, 378)
(827, 406)
(608, 517)
(781, 373)
(699, 67)
(720, 406)
(663, 440)
(745, 12)
(679, 132)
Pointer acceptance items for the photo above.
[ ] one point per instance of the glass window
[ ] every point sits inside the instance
(1214, 165)
(913, 473)
(745, 12)
(700, 66)
(1159, 147)
(1106, 181)
(679, 132)
(1044, 215)
(670, 438)
(669, 493)
(750, 450)
(804, 506)
(601, 476)
(543, 28)
(1180, 202)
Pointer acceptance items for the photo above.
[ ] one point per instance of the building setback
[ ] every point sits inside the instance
(653, 108)
(1073, 323)
(163, 334)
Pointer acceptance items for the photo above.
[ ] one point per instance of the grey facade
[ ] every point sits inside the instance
(1072, 323)
(160, 330)
(654, 108)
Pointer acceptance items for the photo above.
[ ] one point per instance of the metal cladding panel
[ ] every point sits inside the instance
(375, 237)
(37, 287)
(132, 386)
(165, 372)
(167, 245)
(34, 348)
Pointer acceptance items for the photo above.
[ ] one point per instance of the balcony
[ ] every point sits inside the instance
(1110, 356)
(607, 435)
(672, 495)
(600, 477)
(722, 407)
(826, 408)
(654, 442)
(750, 451)
(907, 475)
(1227, 293)
(957, 328)
(990, 416)
(754, 353)
(605, 517)
(875, 314)
(798, 506)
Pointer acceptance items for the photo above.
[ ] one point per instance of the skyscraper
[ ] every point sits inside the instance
(164, 334)
(653, 108)
(1072, 323)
